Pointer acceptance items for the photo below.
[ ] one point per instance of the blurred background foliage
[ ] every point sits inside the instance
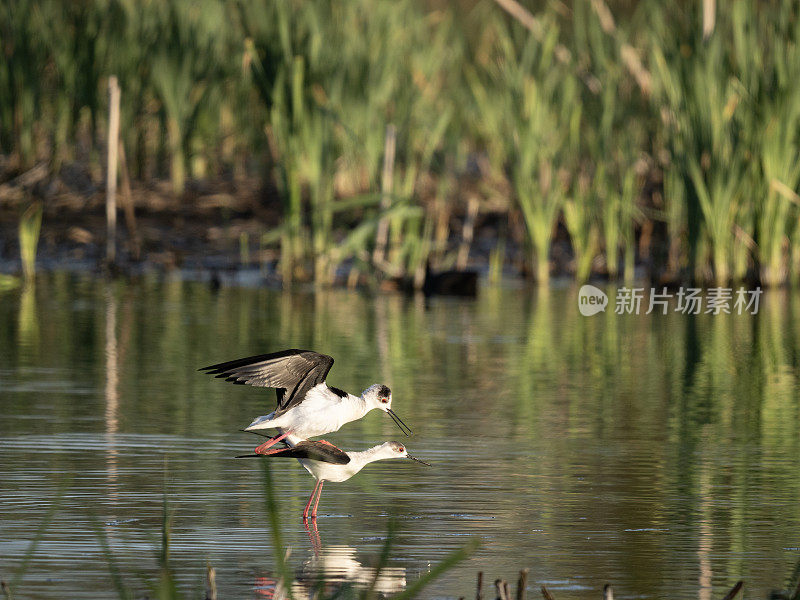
(593, 136)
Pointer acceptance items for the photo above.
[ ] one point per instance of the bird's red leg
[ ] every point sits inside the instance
(327, 443)
(265, 586)
(271, 442)
(273, 451)
(313, 535)
(310, 499)
(316, 504)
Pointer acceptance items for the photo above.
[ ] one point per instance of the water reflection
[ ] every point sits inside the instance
(657, 452)
(327, 571)
(28, 321)
(111, 393)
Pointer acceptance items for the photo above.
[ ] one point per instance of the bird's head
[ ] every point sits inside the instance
(379, 396)
(398, 450)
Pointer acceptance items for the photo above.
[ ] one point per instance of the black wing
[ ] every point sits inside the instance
(291, 372)
(321, 451)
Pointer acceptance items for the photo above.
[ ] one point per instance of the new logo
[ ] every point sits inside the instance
(591, 300)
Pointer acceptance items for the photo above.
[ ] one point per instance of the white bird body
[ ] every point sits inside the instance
(307, 406)
(326, 462)
(322, 411)
(324, 471)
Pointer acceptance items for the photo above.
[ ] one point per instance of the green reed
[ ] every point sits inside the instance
(777, 213)
(327, 122)
(721, 101)
(30, 225)
(600, 123)
(706, 149)
(527, 112)
(581, 222)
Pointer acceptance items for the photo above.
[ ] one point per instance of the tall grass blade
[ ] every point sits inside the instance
(30, 225)
(271, 507)
(116, 577)
(383, 559)
(41, 531)
(447, 563)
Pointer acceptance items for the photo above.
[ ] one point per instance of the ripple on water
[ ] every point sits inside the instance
(643, 451)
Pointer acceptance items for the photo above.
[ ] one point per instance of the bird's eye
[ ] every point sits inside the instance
(401, 449)
(385, 400)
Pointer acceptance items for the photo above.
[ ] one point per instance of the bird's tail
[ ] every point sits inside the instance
(262, 422)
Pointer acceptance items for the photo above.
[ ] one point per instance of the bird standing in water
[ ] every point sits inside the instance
(307, 406)
(326, 462)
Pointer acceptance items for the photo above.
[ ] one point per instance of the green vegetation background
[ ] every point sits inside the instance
(647, 132)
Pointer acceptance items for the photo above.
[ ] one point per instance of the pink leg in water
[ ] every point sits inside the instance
(271, 442)
(310, 500)
(316, 504)
(313, 535)
(273, 451)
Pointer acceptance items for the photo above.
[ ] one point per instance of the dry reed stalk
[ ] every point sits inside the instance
(734, 590)
(387, 183)
(467, 233)
(127, 203)
(111, 173)
(521, 584)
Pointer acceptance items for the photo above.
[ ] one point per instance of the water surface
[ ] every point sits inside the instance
(660, 453)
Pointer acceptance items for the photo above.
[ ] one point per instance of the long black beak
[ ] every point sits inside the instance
(418, 460)
(262, 432)
(403, 427)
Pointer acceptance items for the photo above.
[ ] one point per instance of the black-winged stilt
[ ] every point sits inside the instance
(326, 462)
(307, 406)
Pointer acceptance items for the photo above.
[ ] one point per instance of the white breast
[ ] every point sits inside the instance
(321, 411)
(330, 472)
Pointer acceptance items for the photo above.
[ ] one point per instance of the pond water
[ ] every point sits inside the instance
(660, 453)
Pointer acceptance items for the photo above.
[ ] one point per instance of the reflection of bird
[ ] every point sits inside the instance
(307, 406)
(331, 570)
(337, 566)
(326, 462)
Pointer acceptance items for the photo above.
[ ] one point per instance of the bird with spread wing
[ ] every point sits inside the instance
(307, 406)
